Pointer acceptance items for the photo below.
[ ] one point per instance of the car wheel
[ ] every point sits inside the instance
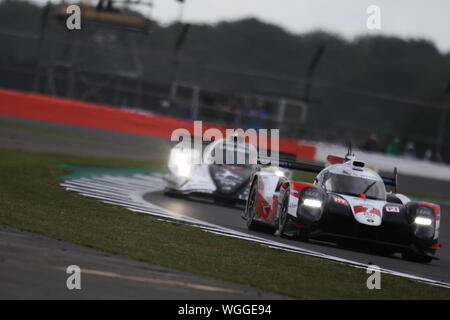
(283, 217)
(172, 193)
(250, 207)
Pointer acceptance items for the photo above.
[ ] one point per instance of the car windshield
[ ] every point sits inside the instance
(350, 185)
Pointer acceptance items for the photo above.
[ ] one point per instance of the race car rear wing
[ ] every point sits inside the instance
(294, 165)
(310, 167)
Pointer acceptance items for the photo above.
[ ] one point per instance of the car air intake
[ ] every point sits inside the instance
(358, 164)
(228, 179)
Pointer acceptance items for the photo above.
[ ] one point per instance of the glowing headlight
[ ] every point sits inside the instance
(180, 162)
(423, 221)
(312, 203)
(181, 158)
(279, 173)
(183, 166)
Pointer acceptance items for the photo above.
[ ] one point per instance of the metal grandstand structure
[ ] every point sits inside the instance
(110, 30)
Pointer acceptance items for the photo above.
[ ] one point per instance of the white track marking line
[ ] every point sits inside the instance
(97, 192)
(100, 184)
(121, 181)
(127, 182)
(97, 187)
(154, 281)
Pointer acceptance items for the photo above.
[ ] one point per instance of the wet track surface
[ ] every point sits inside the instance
(231, 217)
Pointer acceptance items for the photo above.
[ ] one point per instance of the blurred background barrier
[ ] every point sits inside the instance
(382, 94)
(59, 110)
(384, 163)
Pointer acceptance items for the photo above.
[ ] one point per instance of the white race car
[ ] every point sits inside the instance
(191, 173)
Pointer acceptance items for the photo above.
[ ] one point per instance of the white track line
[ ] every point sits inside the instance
(128, 192)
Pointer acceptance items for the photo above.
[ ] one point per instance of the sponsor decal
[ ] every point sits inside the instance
(340, 200)
(295, 193)
(292, 207)
(392, 209)
(368, 212)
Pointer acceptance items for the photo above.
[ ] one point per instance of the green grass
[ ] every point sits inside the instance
(304, 176)
(31, 199)
(427, 197)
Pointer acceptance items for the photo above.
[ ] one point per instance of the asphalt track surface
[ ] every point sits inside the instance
(29, 135)
(39, 136)
(34, 267)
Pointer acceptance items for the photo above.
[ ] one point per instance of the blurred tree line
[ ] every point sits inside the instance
(372, 85)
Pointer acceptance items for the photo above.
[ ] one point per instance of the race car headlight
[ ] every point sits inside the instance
(180, 162)
(424, 216)
(310, 206)
(422, 221)
(313, 203)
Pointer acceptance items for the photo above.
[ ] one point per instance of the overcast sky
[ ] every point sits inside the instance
(404, 18)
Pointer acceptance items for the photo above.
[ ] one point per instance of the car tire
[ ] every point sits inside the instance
(172, 193)
(283, 218)
(250, 207)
